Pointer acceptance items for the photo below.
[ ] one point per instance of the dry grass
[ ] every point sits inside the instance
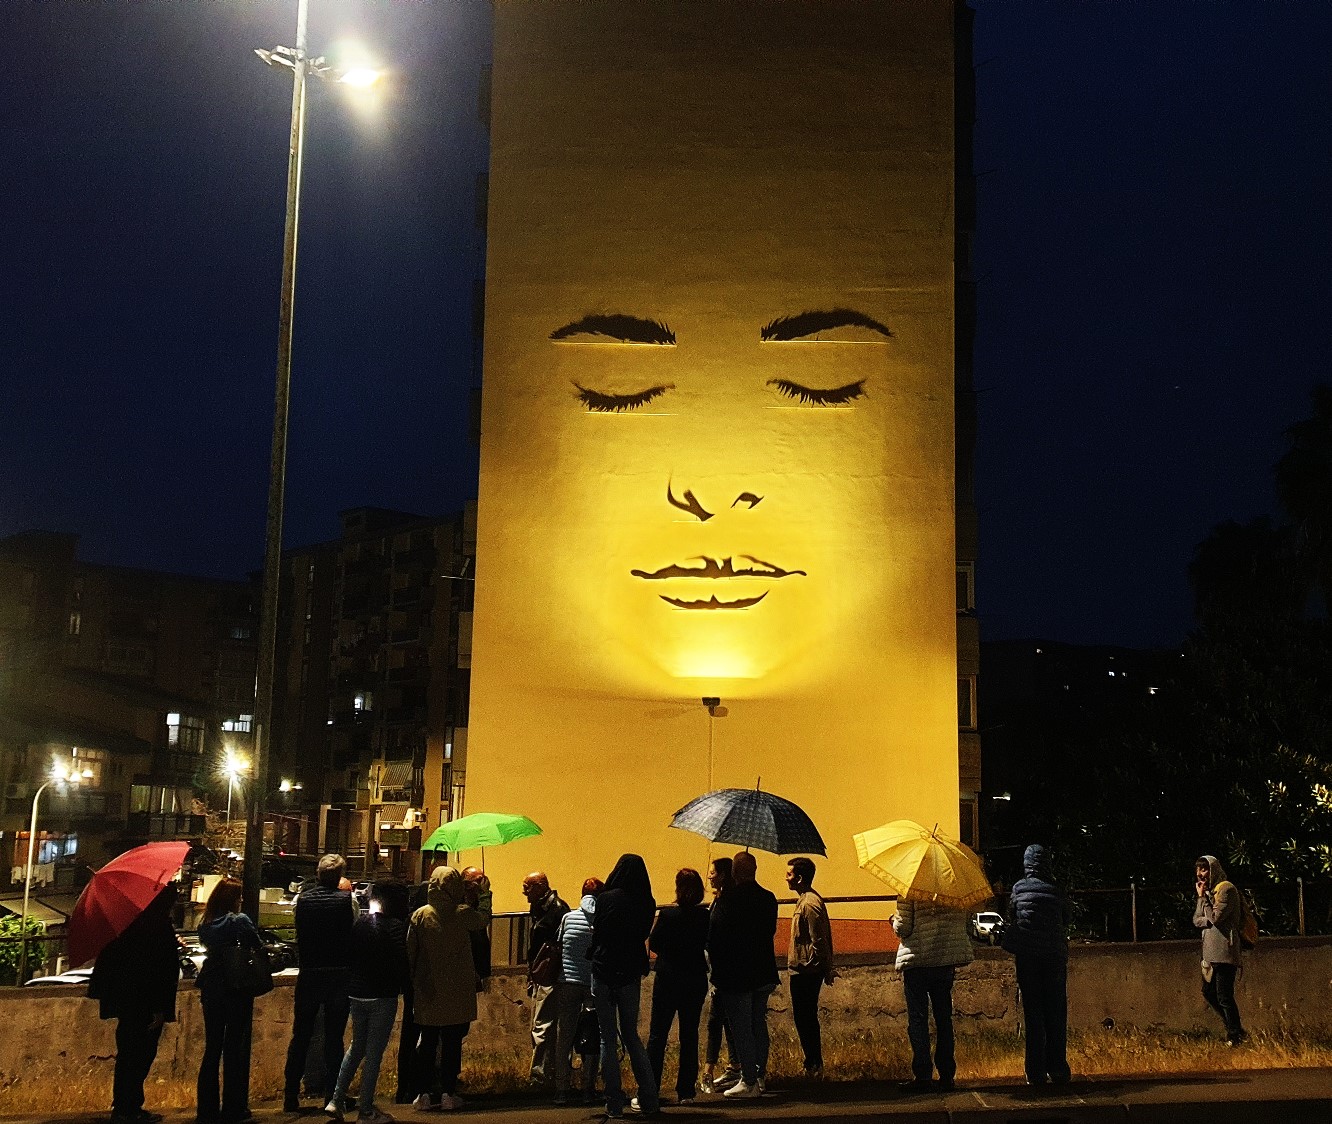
(869, 1056)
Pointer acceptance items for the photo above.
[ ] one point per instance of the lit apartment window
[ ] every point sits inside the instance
(185, 732)
(75, 623)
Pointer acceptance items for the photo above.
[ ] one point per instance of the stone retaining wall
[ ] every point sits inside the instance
(55, 1052)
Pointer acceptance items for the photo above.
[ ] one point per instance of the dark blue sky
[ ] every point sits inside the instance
(1153, 244)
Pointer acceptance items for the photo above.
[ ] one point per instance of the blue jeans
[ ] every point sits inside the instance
(621, 1004)
(926, 988)
(747, 1015)
(372, 1023)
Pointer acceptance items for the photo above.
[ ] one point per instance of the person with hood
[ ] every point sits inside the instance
(933, 944)
(1036, 935)
(573, 987)
(741, 928)
(1219, 914)
(444, 982)
(379, 974)
(680, 982)
(228, 1015)
(134, 981)
(620, 928)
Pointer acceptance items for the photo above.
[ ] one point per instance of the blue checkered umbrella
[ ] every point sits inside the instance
(751, 818)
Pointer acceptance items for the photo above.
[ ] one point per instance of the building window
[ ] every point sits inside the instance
(966, 587)
(238, 725)
(185, 733)
(75, 622)
(94, 760)
(966, 702)
(240, 632)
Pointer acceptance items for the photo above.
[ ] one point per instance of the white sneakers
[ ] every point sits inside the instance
(742, 1091)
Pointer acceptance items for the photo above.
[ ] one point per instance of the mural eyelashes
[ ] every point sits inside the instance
(618, 403)
(803, 325)
(812, 396)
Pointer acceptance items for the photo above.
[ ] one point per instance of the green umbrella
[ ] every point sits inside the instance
(480, 829)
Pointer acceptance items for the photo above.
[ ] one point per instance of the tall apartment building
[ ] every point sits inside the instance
(727, 419)
(142, 678)
(371, 697)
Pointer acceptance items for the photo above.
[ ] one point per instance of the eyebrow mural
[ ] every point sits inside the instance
(786, 329)
(619, 327)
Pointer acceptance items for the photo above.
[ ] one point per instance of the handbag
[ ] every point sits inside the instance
(542, 971)
(247, 970)
(587, 1037)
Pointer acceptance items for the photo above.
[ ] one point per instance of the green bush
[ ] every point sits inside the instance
(11, 950)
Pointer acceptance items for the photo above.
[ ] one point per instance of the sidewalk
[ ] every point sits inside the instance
(1290, 1096)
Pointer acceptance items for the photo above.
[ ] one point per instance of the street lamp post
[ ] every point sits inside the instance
(59, 775)
(234, 766)
(277, 478)
(297, 61)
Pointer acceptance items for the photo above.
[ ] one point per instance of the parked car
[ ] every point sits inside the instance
(987, 927)
(73, 976)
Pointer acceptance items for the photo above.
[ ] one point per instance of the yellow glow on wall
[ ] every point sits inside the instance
(717, 428)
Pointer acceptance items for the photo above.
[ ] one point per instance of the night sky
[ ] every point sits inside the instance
(1153, 249)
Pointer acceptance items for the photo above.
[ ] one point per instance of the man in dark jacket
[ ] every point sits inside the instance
(1036, 936)
(744, 968)
(546, 908)
(135, 979)
(324, 917)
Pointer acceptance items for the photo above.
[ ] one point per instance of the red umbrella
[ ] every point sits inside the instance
(117, 894)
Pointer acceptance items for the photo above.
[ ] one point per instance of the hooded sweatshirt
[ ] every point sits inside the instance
(439, 949)
(621, 924)
(1037, 911)
(1218, 914)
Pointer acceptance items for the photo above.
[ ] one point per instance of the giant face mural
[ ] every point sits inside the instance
(716, 425)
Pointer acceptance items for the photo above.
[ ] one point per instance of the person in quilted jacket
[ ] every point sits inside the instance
(1036, 935)
(934, 944)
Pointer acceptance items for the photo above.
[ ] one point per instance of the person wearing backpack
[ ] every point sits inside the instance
(1220, 915)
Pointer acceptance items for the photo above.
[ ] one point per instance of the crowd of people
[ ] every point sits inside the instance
(428, 948)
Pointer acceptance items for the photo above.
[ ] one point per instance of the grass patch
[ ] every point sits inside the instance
(866, 1056)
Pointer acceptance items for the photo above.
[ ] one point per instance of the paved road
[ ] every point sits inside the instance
(1290, 1096)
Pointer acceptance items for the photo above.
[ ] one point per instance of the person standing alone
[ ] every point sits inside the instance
(1219, 914)
(809, 959)
(1036, 936)
(228, 1013)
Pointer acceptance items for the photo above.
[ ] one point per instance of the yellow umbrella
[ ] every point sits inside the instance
(923, 866)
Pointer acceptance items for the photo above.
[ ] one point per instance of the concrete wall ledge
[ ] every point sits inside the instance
(52, 1035)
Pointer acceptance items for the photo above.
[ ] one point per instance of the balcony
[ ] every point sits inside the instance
(153, 827)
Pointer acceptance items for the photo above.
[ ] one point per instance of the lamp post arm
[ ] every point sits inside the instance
(277, 472)
(27, 885)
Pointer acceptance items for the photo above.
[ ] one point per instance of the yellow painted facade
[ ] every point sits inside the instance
(717, 427)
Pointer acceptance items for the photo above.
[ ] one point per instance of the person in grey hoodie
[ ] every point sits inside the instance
(573, 986)
(1036, 935)
(1219, 914)
(934, 944)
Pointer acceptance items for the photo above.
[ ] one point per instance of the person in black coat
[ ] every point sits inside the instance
(744, 968)
(324, 916)
(620, 929)
(134, 980)
(680, 983)
(1036, 936)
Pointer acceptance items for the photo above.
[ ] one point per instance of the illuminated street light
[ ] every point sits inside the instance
(234, 766)
(297, 61)
(61, 774)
